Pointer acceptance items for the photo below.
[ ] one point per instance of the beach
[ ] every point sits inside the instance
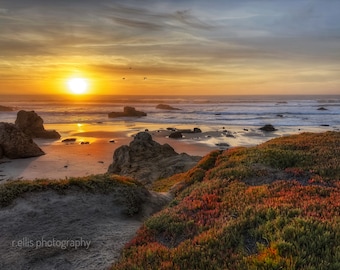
(92, 151)
(222, 122)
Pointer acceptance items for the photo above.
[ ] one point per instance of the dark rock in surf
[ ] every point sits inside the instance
(127, 112)
(33, 125)
(222, 145)
(176, 135)
(147, 160)
(268, 128)
(197, 130)
(69, 140)
(16, 144)
(322, 109)
(166, 107)
(185, 130)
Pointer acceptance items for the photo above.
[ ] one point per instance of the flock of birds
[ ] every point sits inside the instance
(131, 68)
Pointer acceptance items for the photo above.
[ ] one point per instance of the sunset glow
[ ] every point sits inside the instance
(171, 47)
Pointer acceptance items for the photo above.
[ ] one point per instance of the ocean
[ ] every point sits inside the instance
(211, 111)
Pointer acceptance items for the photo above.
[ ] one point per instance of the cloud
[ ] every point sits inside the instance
(176, 37)
(155, 20)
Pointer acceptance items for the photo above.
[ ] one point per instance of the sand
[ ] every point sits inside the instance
(75, 159)
(75, 230)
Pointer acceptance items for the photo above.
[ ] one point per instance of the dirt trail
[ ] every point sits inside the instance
(41, 230)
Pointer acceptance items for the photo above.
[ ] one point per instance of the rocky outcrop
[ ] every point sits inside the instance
(166, 107)
(16, 144)
(322, 109)
(128, 112)
(5, 109)
(147, 160)
(33, 125)
(267, 128)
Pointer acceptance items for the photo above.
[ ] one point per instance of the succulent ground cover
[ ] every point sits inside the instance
(273, 206)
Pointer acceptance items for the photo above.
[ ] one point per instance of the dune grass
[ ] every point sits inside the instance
(132, 193)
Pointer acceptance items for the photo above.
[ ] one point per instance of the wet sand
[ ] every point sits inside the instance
(93, 149)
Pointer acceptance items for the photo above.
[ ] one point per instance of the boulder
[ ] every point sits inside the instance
(322, 109)
(176, 135)
(33, 125)
(166, 107)
(197, 130)
(68, 140)
(267, 128)
(128, 112)
(147, 160)
(16, 144)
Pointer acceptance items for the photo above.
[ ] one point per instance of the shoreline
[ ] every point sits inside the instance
(62, 160)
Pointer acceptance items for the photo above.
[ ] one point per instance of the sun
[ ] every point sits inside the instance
(77, 85)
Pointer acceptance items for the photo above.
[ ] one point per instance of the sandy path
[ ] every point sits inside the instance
(44, 216)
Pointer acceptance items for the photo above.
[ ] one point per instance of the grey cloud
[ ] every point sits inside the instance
(155, 20)
(137, 24)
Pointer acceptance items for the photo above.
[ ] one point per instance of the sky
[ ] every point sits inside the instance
(179, 47)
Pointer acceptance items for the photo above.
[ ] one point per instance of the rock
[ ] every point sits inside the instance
(128, 112)
(166, 107)
(69, 140)
(147, 160)
(227, 134)
(267, 128)
(16, 144)
(6, 109)
(185, 130)
(33, 125)
(112, 141)
(176, 135)
(195, 130)
(322, 109)
(223, 145)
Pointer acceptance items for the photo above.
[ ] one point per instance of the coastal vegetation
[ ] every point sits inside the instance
(126, 190)
(273, 206)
